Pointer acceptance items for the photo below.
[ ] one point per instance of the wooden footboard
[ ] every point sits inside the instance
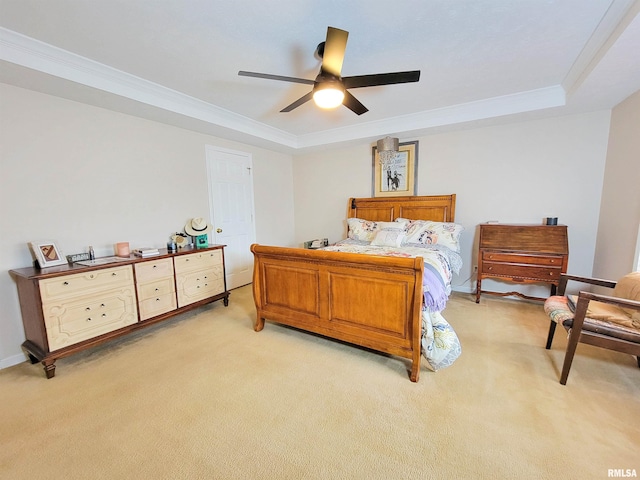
(365, 300)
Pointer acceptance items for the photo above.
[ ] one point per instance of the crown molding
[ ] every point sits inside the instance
(617, 18)
(34, 54)
(521, 102)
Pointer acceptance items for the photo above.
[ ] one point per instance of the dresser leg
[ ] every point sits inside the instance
(478, 291)
(259, 324)
(50, 368)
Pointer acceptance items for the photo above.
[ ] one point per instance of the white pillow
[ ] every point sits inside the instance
(427, 232)
(388, 238)
(365, 230)
(359, 229)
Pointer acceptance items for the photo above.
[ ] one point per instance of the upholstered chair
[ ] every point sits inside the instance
(611, 322)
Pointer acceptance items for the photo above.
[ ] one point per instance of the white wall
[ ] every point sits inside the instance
(619, 222)
(81, 175)
(514, 173)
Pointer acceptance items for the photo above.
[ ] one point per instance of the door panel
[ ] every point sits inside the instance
(232, 211)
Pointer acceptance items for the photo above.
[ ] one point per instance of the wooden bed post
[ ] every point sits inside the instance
(416, 334)
(257, 292)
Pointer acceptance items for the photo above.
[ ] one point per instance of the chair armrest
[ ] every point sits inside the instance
(583, 304)
(565, 277)
(620, 302)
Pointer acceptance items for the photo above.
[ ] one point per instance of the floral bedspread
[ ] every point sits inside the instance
(440, 344)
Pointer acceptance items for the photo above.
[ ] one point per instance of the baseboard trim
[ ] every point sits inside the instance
(12, 360)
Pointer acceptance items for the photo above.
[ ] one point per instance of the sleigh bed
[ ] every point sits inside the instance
(384, 295)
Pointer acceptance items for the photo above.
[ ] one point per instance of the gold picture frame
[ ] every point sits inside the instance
(47, 254)
(398, 178)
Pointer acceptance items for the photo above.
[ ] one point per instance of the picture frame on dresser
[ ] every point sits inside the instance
(398, 176)
(47, 254)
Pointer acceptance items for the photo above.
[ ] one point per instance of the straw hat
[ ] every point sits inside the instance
(197, 226)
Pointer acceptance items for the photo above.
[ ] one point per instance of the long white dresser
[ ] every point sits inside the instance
(69, 308)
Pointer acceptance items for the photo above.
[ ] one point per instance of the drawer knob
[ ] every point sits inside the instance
(114, 274)
(551, 273)
(88, 309)
(89, 319)
(104, 315)
(65, 283)
(157, 299)
(490, 268)
(490, 257)
(155, 266)
(553, 261)
(157, 289)
(102, 305)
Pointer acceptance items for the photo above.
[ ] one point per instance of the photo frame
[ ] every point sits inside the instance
(47, 253)
(398, 177)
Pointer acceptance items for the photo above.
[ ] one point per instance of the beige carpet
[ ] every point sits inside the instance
(203, 396)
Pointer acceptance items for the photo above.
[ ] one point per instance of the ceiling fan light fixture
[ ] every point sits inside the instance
(328, 95)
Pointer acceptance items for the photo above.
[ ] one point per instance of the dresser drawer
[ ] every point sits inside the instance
(153, 270)
(197, 261)
(69, 286)
(73, 321)
(543, 274)
(509, 257)
(196, 287)
(155, 289)
(157, 305)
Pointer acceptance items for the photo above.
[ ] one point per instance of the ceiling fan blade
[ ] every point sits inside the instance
(353, 104)
(381, 79)
(298, 102)
(334, 48)
(275, 77)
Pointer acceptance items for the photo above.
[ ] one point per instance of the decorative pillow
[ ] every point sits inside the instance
(359, 229)
(427, 232)
(365, 230)
(388, 238)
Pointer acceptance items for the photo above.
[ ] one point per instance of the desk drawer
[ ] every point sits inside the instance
(533, 272)
(509, 257)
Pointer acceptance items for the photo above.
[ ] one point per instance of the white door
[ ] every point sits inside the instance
(231, 204)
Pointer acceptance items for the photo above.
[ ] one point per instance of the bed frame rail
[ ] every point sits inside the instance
(371, 301)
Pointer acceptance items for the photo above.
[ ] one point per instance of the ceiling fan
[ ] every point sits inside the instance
(329, 87)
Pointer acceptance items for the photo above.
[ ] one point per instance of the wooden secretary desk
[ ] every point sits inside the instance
(522, 254)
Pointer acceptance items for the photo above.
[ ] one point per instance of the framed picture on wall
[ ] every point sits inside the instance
(47, 254)
(397, 175)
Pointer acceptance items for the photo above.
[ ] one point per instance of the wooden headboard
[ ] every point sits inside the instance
(439, 208)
